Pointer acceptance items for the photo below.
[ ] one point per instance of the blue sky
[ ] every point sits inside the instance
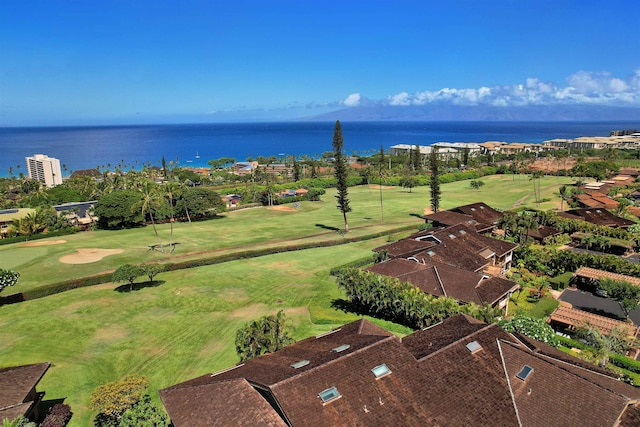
(97, 62)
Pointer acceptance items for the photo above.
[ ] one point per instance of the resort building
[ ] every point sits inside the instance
(596, 142)
(44, 169)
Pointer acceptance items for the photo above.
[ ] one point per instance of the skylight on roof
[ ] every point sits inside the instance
(525, 372)
(300, 364)
(329, 394)
(473, 209)
(340, 348)
(381, 370)
(481, 207)
(452, 236)
(431, 253)
(474, 347)
(463, 232)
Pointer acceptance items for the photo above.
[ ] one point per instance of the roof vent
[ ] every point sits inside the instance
(481, 207)
(381, 370)
(329, 394)
(473, 209)
(474, 347)
(525, 372)
(300, 364)
(340, 348)
(598, 211)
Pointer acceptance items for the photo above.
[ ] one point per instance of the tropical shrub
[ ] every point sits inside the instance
(534, 328)
(58, 416)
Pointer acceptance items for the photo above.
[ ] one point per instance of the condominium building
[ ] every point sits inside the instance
(45, 169)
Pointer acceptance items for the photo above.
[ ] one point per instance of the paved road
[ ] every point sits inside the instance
(603, 306)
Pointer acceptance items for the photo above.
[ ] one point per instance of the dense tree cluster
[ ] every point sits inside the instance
(401, 301)
(554, 262)
(265, 335)
(125, 403)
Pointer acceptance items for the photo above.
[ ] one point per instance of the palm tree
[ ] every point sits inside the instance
(170, 191)
(148, 204)
(381, 176)
(617, 341)
(564, 194)
(535, 176)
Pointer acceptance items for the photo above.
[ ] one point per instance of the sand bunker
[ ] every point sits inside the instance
(42, 243)
(282, 208)
(85, 256)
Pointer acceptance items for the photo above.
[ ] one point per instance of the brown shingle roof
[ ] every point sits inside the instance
(190, 407)
(434, 379)
(447, 218)
(585, 400)
(481, 212)
(601, 217)
(440, 279)
(16, 385)
(405, 247)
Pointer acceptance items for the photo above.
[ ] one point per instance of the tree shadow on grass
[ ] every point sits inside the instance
(327, 227)
(416, 215)
(347, 307)
(138, 286)
(45, 405)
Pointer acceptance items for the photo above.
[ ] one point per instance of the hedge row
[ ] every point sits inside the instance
(616, 359)
(359, 263)
(625, 363)
(55, 288)
(20, 239)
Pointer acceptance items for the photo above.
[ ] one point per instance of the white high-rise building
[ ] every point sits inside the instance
(45, 169)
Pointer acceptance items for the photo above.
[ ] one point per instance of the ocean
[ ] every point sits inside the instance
(195, 144)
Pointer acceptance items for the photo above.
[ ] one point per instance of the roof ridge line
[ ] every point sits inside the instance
(435, 270)
(549, 358)
(330, 362)
(506, 376)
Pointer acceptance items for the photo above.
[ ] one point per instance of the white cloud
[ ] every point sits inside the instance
(400, 99)
(352, 100)
(582, 87)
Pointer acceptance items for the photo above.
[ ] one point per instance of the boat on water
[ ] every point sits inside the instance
(197, 155)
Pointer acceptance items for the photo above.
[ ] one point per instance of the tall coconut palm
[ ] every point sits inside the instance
(170, 190)
(148, 204)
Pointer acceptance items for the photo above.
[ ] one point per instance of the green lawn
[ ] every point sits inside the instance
(186, 326)
(182, 328)
(255, 227)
